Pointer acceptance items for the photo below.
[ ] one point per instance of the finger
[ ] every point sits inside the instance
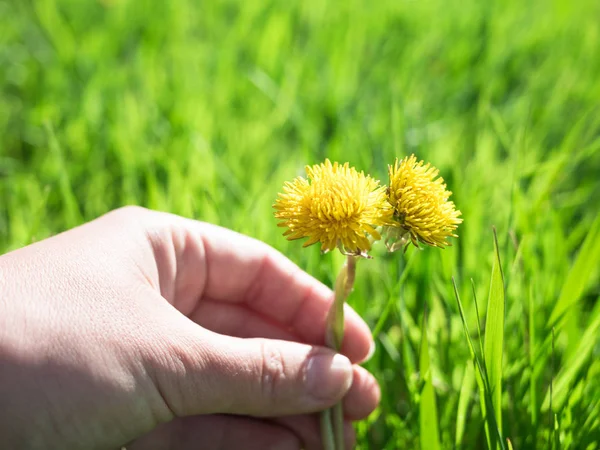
(241, 321)
(269, 283)
(307, 428)
(363, 397)
(198, 261)
(218, 432)
(203, 373)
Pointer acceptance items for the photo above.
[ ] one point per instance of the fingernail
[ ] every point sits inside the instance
(371, 352)
(328, 376)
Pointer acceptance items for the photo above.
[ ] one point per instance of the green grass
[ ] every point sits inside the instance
(205, 108)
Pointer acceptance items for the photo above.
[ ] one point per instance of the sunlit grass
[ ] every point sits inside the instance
(206, 108)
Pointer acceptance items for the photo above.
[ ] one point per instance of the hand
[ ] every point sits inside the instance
(152, 331)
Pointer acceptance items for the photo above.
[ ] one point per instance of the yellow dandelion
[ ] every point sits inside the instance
(422, 210)
(336, 206)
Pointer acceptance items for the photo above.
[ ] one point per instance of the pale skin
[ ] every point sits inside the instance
(151, 331)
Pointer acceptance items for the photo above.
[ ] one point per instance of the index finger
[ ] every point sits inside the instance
(225, 266)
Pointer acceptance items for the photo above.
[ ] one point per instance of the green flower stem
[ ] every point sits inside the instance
(334, 337)
(335, 320)
(327, 436)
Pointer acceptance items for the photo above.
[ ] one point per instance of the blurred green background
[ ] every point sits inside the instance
(205, 108)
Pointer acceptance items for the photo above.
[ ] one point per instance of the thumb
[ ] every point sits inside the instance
(211, 373)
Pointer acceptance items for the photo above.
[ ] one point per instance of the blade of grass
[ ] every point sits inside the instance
(428, 417)
(578, 278)
(491, 430)
(556, 434)
(494, 335)
(552, 417)
(572, 367)
(464, 399)
(532, 355)
(479, 333)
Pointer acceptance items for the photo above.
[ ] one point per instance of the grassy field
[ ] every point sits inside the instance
(205, 108)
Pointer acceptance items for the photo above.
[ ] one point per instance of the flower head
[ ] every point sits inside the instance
(422, 210)
(336, 206)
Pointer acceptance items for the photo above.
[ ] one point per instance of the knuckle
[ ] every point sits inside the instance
(176, 360)
(273, 371)
(169, 365)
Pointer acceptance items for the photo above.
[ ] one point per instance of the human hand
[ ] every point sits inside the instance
(153, 331)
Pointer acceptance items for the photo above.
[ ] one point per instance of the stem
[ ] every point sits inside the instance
(334, 337)
(338, 426)
(327, 436)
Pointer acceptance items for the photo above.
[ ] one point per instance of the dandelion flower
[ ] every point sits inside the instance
(336, 206)
(422, 210)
